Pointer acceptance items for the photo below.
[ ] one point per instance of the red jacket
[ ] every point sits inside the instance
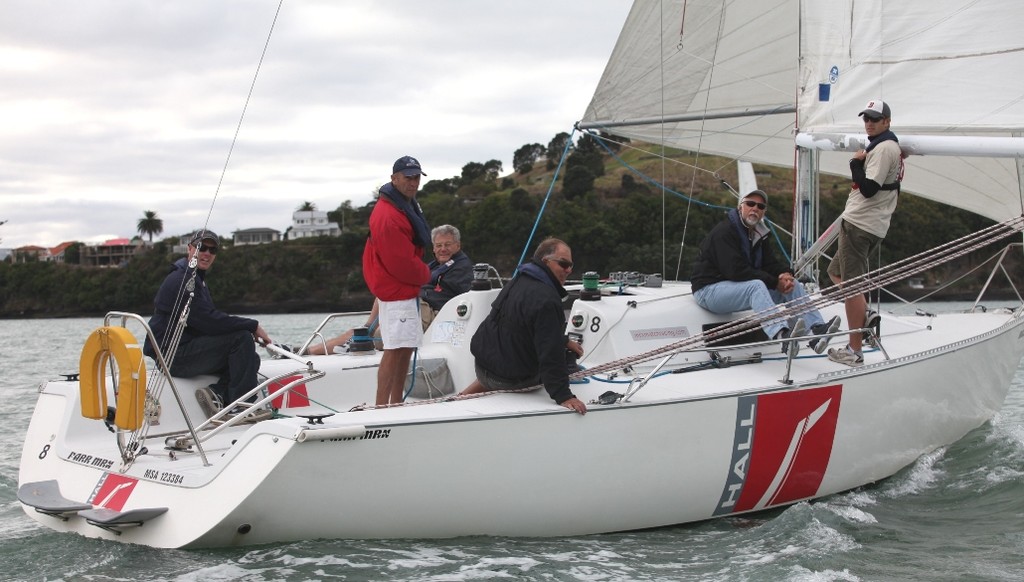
(393, 266)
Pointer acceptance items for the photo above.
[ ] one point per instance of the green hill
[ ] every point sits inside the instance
(616, 218)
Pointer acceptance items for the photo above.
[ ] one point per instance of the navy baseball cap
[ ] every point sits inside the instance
(408, 166)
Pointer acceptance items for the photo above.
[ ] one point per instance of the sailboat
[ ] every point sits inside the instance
(689, 417)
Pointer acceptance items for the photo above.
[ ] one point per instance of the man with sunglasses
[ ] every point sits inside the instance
(212, 341)
(736, 270)
(877, 171)
(522, 342)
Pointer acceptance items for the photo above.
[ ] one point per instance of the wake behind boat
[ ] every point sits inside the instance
(691, 416)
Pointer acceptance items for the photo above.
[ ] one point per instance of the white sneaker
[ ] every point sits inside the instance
(846, 356)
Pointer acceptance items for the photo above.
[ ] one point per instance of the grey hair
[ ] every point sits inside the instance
(446, 229)
(547, 247)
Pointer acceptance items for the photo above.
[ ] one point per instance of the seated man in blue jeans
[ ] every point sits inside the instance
(737, 270)
(212, 341)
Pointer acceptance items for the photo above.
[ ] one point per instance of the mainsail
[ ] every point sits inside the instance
(746, 78)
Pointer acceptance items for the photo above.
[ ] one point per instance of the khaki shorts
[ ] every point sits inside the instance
(426, 314)
(851, 258)
(400, 324)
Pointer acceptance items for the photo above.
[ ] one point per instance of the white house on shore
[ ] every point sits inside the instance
(306, 223)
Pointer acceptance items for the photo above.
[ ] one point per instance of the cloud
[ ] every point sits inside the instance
(111, 108)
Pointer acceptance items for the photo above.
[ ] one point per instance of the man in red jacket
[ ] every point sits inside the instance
(394, 271)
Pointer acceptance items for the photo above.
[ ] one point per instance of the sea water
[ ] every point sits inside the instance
(955, 514)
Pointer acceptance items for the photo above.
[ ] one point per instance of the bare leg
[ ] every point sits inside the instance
(855, 308)
(317, 348)
(394, 365)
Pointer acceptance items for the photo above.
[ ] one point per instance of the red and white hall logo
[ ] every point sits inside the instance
(781, 449)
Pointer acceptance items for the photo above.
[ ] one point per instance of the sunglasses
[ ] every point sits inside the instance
(564, 263)
(212, 249)
(751, 204)
(872, 119)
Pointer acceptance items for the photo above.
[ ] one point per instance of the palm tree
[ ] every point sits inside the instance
(150, 224)
(307, 205)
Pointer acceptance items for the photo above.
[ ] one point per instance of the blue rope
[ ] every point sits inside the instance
(551, 188)
(369, 331)
(655, 183)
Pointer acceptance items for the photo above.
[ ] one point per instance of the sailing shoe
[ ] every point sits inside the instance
(873, 321)
(819, 344)
(846, 356)
(799, 329)
(252, 417)
(209, 401)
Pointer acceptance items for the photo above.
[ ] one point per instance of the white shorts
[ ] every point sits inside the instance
(400, 325)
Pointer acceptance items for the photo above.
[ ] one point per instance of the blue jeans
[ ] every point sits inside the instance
(231, 356)
(730, 296)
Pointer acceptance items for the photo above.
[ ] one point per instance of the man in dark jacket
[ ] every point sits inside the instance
(212, 342)
(451, 271)
(736, 270)
(522, 341)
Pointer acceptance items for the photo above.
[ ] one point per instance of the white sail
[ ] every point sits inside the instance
(818, 63)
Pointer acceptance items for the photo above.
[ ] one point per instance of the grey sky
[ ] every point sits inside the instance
(111, 108)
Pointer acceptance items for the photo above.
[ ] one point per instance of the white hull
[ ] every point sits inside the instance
(686, 447)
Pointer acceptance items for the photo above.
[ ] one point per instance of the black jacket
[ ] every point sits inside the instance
(447, 280)
(728, 254)
(203, 317)
(524, 334)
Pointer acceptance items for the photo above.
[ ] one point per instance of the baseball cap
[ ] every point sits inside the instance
(408, 166)
(760, 193)
(876, 108)
(204, 234)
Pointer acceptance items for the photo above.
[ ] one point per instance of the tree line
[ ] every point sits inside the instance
(614, 218)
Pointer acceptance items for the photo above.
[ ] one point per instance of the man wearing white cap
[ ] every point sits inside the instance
(876, 171)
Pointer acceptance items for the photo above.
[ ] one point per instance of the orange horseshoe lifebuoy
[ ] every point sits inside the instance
(119, 343)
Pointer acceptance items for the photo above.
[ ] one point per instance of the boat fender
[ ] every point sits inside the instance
(118, 343)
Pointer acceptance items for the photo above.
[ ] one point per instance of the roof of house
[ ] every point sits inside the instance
(255, 230)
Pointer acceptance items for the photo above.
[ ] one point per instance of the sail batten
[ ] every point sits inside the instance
(734, 114)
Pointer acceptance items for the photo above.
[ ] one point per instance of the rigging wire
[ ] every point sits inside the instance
(186, 291)
(856, 286)
(703, 122)
(547, 197)
(245, 107)
(853, 287)
(773, 226)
